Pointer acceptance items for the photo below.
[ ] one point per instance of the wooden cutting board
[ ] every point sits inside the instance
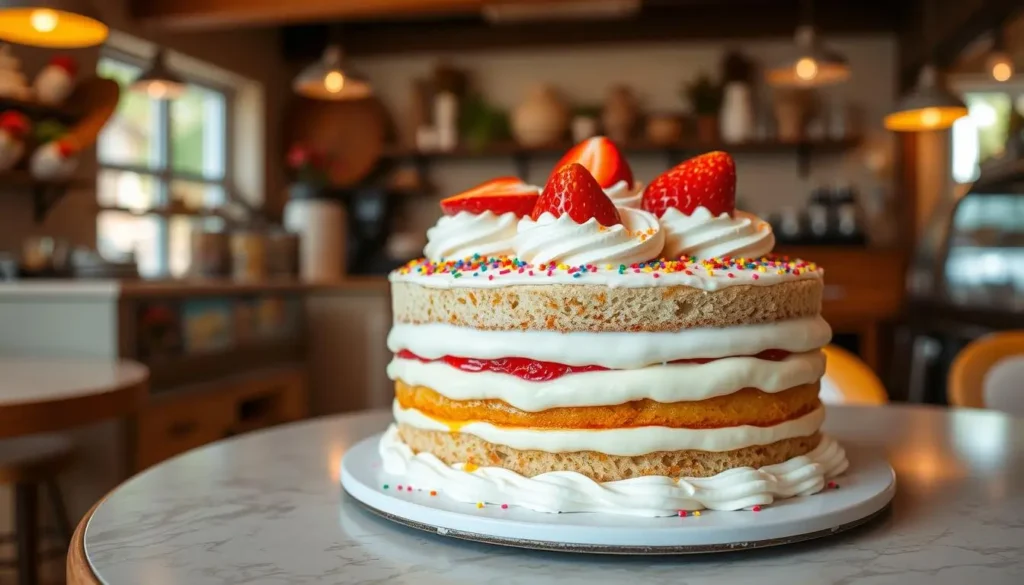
(350, 133)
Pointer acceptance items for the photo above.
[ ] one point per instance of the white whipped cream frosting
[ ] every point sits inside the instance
(611, 349)
(563, 241)
(623, 195)
(704, 235)
(566, 491)
(464, 234)
(667, 383)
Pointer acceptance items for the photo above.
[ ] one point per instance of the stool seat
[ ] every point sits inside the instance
(34, 458)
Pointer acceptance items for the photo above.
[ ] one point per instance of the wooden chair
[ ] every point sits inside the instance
(989, 373)
(28, 464)
(848, 380)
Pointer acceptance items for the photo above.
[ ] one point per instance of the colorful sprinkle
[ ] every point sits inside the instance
(433, 493)
(504, 506)
(495, 268)
(697, 513)
(385, 486)
(756, 508)
(479, 504)
(682, 513)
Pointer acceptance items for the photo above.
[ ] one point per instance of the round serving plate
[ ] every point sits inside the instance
(864, 492)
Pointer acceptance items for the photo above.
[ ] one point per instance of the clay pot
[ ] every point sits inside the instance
(707, 129)
(664, 129)
(620, 114)
(540, 120)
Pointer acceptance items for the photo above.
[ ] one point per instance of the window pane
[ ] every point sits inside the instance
(119, 233)
(131, 135)
(129, 190)
(198, 196)
(198, 132)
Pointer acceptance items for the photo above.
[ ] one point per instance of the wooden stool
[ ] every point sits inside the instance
(29, 463)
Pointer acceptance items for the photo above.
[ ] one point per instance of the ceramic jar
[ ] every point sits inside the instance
(664, 129)
(620, 114)
(541, 119)
(737, 116)
(583, 127)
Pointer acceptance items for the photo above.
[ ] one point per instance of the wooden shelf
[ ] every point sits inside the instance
(198, 213)
(673, 154)
(38, 111)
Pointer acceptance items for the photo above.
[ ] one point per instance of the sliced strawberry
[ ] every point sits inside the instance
(574, 192)
(602, 159)
(708, 180)
(502, 195)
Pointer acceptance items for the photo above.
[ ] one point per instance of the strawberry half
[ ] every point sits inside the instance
(602, 159)
(573, 191)
(502, 195)
(708, 180)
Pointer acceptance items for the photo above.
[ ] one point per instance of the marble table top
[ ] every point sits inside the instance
(268, 508)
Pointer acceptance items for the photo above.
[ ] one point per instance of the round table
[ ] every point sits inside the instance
(39, 395)
(268, 508)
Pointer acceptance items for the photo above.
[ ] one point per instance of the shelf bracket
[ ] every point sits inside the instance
(521, 160)
(803, 160)
(44, 197)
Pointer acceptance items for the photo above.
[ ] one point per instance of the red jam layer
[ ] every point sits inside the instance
(538, 371)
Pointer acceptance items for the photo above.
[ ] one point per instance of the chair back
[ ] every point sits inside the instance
(848, 380)
(989, 373)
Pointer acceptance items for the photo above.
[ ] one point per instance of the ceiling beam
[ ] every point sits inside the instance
(218, 14)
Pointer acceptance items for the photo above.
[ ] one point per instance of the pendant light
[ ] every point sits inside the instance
(813, 65)
(929, 106)
(52, 24)
(327, 79)
(159, 82)
(999, 63)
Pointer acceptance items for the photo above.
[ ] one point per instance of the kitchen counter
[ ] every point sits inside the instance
(142, 288)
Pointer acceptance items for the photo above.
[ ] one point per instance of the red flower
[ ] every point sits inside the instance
(299, 156)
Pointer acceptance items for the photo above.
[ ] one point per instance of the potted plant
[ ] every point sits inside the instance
(705, 97)
(308, 171)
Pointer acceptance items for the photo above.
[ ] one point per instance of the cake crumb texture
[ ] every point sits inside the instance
(454, 448)
(565, 308)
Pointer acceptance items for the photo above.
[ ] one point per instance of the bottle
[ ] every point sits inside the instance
(848, 228)
(818, 215)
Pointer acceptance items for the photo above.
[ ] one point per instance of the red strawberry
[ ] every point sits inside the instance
(602, 159)
(574, 192)
(708, 180)
(498, 196)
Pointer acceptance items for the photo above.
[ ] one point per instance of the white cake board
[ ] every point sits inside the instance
(865, 491)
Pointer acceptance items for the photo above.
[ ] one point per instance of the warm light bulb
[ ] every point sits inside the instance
(806, 68)
(931, 117)
(1002, 69)
(334, 81)
(157, 90)
(44, 20)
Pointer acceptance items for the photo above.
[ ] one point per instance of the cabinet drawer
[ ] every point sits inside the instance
(174, 426)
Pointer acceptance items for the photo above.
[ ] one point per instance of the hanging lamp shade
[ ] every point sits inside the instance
(929, 106)
(327, 79)
(159, 81)
(812, 66)
(52, 24)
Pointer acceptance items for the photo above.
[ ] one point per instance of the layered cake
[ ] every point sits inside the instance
(595, 346)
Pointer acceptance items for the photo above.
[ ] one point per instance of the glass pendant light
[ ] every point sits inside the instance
(928, 107)
(814, 65)
(999, 63)
(327, 79)
(159, 82)
(52, 24)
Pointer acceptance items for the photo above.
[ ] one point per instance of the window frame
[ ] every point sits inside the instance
(963, 84)
(164, 175)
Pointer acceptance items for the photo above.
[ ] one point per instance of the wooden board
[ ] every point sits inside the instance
(350, 133)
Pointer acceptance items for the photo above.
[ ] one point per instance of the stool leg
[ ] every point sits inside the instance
(60, 513)
(26, 517)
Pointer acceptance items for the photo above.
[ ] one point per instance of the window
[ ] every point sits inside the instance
(163, 168)
(983, 133)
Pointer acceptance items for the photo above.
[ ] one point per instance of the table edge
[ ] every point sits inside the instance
(78, 570)
(25, 418)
